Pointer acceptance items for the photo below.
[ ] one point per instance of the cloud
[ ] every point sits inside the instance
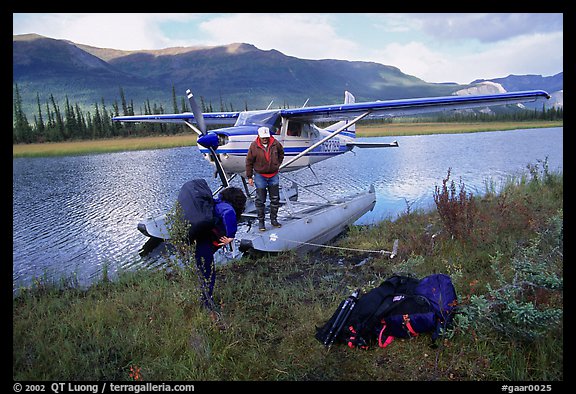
(464, 47)
(107, 30)
(487, 27)
(413, 58)
(519, 55)
(308, 36)
(302, 35)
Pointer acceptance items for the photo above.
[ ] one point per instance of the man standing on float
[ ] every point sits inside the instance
(263, 161)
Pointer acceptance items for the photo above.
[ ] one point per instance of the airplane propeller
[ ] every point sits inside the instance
(207, 139)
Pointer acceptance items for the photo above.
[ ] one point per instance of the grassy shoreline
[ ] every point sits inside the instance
(506, 264)
(189, 139)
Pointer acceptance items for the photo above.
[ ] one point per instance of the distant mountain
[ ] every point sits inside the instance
(47, 66)
(237, 74)
(512, 83)
(233, 76)
(553, 84)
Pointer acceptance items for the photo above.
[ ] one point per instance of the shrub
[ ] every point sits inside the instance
(457, 210)
(182, 260)
(526, 301)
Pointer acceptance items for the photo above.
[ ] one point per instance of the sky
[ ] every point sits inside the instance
(435, 47)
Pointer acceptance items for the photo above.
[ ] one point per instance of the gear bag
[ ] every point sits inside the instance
(195, 198)
(401, 307)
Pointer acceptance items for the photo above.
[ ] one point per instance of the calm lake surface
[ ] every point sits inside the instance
(76, 216)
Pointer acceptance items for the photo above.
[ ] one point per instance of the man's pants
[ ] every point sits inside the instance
(272, 185)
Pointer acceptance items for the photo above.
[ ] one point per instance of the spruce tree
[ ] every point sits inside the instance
(40, 127)
(21, 131)
(59, 132)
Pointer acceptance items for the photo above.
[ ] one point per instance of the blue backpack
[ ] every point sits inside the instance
(401, 307)
(429, 309)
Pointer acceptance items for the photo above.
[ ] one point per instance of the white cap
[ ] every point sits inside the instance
(264, 132)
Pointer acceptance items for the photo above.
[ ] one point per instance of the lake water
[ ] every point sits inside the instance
(76, 216)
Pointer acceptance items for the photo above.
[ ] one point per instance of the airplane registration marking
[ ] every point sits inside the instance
(330, 146)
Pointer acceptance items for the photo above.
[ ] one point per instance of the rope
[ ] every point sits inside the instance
(382, 252)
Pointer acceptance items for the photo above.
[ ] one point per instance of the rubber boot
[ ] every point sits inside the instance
(274, 204)
(260, 206)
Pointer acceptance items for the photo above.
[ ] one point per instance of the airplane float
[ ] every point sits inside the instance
(304, 145)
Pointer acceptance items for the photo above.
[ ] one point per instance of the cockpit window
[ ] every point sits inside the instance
(300, 129)
(294, 129)
(258, 118)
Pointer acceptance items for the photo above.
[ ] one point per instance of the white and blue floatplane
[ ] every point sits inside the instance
(303, 224)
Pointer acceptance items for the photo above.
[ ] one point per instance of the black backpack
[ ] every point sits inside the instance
(401, 307)
(195, 198)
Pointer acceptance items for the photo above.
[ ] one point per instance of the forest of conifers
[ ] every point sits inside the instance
(51, 123)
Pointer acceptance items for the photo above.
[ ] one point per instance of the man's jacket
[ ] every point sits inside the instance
(264, 161)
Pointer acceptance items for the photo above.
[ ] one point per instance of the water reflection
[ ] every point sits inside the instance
(411, 172)
(76, 215)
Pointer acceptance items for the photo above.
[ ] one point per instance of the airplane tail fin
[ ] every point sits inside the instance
(349, 98)
(351, 131)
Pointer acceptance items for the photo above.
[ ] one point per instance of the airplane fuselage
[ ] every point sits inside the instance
(295, 137)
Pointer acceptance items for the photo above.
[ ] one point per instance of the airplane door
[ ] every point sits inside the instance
(296, 139)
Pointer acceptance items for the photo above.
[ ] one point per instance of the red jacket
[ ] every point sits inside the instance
(265, 161)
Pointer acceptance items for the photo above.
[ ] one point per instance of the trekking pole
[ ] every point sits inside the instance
(341, 318)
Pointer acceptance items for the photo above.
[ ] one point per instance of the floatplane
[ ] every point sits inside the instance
(306, 224)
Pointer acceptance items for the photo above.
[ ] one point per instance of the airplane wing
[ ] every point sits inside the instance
(404, 107)
(220, 118)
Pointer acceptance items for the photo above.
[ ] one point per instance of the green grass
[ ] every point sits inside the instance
(424, 128)
(150, 320)
(71, 148)
(189, 139)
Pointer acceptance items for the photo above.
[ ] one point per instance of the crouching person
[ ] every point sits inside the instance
(228, 207)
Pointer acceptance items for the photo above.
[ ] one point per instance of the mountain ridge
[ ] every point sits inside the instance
(237, 75)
